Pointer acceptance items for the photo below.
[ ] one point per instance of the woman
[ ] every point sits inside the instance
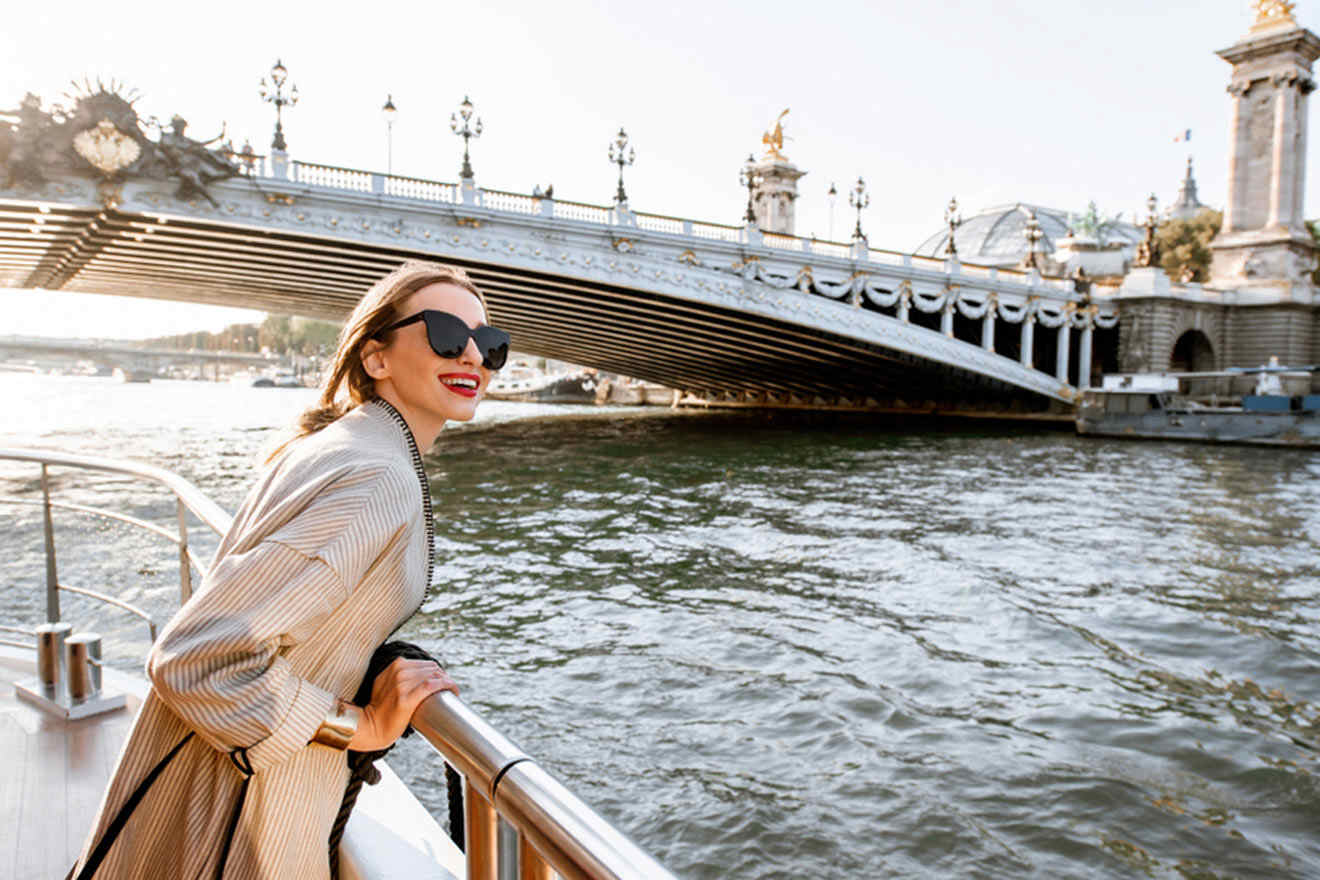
(328, 555)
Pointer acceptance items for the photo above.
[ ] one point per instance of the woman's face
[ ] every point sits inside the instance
(429, 389)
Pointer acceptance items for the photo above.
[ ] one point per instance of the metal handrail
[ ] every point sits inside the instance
(210, 513)
(118, 603)
(187, 497)
(556, 827)
(557, 832)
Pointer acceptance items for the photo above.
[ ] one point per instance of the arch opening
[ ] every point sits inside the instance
(1192, 353)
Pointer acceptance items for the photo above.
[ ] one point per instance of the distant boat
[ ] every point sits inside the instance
(267, 379)
(526, 384)
(1152, 406)
(125, 374)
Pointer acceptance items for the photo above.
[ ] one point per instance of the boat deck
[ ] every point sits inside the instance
(55, 772)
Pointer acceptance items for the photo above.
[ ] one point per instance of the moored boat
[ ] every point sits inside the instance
(1155, 406)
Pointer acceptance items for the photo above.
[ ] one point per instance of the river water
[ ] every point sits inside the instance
(767, 647)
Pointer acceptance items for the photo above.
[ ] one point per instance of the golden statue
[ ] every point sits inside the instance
(1272, 13)
(774, 139)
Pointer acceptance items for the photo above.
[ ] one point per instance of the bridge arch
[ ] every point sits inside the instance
(1192, 353)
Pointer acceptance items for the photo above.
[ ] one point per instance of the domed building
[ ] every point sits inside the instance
(998, 237)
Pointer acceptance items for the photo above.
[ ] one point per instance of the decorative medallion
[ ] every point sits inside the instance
(106, 148)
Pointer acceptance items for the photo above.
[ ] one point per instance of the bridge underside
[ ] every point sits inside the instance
(711, 351)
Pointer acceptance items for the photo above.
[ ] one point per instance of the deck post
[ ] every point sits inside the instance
(480, 825)
(988, 325)
(52, 577)
(185, 570)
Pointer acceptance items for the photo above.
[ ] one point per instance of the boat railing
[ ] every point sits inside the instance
(187, 498)
(548, 830)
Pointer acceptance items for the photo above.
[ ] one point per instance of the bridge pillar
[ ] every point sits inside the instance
(1062, 352)
(1084, 354)
(1028, 337)
(279, 164)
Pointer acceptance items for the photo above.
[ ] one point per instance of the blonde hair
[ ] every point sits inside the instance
(346, 384)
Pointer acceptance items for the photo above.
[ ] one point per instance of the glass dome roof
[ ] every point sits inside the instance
(995, 237)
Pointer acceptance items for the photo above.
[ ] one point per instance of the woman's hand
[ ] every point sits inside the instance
(395, 696)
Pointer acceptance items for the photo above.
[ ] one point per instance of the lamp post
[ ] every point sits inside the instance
(273, 93)
(859, 198)
(388, 113)
(833, 194)
(466, 131)
(954, 219)
(1033, 235)
(749, 178)
(1148, 252)
(621, 154)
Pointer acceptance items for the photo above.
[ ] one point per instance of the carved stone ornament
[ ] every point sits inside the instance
(102, 137)
(106, 148)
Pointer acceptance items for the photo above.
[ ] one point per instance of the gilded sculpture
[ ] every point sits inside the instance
(774, 139)
(1271, 13)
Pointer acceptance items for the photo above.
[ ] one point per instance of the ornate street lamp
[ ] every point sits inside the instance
(1148, 252)
(466, 131)
(749, 178)
(954, 219)
(273, 93)
(833, 194)
(388, 113)
(1033, 235)
(621, 154)
(859, 198)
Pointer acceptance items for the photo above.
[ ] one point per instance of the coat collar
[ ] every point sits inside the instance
(382, 409)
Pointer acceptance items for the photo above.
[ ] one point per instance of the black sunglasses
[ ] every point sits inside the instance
(449, 335)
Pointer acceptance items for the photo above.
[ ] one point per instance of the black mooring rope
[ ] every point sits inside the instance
(362, 765)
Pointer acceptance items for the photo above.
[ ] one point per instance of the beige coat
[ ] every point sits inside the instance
(329, 554)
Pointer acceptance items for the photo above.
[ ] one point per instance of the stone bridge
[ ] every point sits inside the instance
(726, 313)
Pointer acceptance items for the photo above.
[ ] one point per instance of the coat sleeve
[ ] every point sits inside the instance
(218, 663)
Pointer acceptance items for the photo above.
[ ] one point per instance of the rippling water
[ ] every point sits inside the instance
(768, 648)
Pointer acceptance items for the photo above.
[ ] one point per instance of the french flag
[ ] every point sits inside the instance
(1185, 136)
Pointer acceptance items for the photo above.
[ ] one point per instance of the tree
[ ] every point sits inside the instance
(1185, 244)
(1314, 226)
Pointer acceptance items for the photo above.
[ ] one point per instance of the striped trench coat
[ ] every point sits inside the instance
(328, 555)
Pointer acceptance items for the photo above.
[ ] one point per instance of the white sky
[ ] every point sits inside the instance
(990, 100)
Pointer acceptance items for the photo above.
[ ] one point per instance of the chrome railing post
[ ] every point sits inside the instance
(507, 851)
(480, 826)
(52, 578)
(185, 570)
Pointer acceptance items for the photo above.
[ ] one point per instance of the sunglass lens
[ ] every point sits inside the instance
(494, 346)
(447, 334)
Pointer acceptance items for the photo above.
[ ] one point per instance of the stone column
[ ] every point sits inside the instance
(1236, 157)
(775, 193)
(1282, 179)
(1061, 358)
(988, 325)
(1264, 248)
(946, 315)
(1028, 338)
(1084, 354)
